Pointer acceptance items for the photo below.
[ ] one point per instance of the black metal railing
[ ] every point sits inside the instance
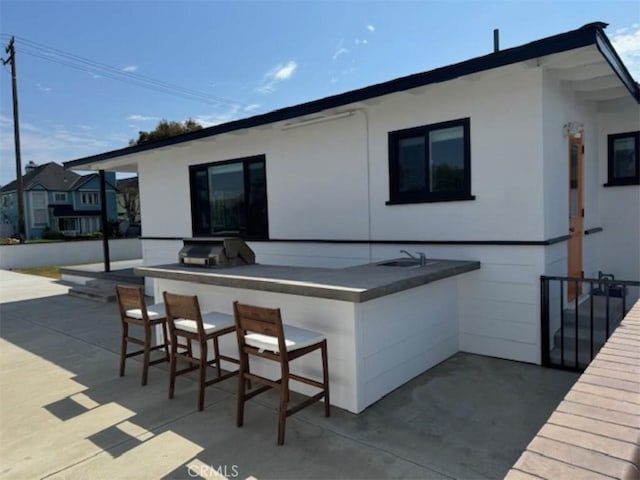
(573, 331)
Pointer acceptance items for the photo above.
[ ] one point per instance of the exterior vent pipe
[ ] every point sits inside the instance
(496, 40)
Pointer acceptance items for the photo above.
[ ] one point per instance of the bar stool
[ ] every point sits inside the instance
(261, 333)
(186, 323)
(134, 311)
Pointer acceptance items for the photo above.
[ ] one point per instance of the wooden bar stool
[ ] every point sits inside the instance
(187, 324)
(260, 332)
(134, 311)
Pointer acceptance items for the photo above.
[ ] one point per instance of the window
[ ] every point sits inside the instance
(7, 200)
(431, 163)
(230, 198)
(90, 198)
(67, 224)
(623, 163)
(59, 197)
(39, 214)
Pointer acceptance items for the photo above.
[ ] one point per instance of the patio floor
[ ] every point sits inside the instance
(65, 412)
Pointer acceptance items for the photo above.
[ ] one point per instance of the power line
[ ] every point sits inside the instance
(77, 62)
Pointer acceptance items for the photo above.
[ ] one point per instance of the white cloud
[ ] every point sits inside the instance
(252, 108)
(141, 118)
(371, 28)
(361, 42)
(42, 88)
(50, 143)
(627, 44)
(130, 68)
(277, 74)
(340, 50)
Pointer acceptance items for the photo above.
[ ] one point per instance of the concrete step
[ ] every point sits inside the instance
(93, 293)
(584, 355)
(99, 290)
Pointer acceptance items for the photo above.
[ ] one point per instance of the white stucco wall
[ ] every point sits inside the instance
(329, 181)
(67, 253)
(320, 177)
(620, 206)
(560, 106)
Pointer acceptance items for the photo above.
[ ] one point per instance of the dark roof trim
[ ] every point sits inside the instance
(584, 36)
(612, 58)
(69, 211)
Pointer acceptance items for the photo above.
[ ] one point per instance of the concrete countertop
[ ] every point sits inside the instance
(351, 284)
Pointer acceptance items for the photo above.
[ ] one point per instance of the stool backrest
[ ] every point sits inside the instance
(131, 298)
(265, 321)
(182, 307)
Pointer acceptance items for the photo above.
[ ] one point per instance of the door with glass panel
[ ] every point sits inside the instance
(576, 214)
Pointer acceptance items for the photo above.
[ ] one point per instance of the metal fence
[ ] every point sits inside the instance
(573, 331)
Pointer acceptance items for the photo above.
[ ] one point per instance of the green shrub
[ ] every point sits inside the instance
(53, 235)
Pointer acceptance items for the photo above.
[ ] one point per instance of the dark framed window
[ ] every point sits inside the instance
(230, 198)
(623, 163)
(431, 163)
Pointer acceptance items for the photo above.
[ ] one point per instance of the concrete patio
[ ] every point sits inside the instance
(65, 412)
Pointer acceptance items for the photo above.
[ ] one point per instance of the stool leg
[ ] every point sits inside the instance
(172, 365)
(203, 373)
(146, 354)
(242, 386)
(325, 379)
(165, 338)
(282, 413)
(123, 348)
(216, 354)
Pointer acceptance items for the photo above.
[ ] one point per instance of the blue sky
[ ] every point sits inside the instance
(245, 57)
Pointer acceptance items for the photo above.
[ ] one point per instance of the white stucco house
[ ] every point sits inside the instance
(526, 159)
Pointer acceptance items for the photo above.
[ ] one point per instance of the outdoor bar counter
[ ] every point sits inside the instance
(384, 324)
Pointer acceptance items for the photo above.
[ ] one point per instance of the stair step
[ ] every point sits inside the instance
(99, 289)
(584, 356)
(91, 293)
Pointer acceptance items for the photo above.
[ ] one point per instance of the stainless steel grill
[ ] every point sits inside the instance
(214, 252)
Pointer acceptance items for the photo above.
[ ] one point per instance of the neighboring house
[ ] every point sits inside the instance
(128, 200)
(525, 159)
(58, 200)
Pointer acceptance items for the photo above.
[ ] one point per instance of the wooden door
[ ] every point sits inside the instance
(576, 214)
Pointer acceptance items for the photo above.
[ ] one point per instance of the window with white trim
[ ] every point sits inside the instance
(39, 216)
(90, 198)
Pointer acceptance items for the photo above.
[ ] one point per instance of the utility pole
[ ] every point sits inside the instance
(11, 50)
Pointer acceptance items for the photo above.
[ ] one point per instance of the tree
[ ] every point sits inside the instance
(166, 129)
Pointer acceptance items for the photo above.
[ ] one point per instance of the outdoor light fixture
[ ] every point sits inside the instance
(573, 129)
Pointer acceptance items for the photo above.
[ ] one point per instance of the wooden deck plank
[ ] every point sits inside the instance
(545, 467)
(598, 427)
(577, 456)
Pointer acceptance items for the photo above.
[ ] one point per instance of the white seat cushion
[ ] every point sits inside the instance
(212, 322)
(153, 312)
(294, 339)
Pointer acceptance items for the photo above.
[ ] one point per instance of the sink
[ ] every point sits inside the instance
(405, 262)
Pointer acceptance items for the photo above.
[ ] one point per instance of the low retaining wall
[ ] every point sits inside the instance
(67, 253)
(595, 431)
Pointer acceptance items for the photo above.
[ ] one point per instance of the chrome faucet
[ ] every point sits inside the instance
(422, 257)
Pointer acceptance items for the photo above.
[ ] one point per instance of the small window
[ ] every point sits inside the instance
(60, 197)
(623, 164)
(431, 163)
(90, 199)
(230, 198)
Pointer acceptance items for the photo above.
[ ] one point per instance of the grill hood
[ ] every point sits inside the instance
(216, 252)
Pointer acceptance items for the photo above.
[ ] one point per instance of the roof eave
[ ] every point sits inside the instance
(615, 62)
